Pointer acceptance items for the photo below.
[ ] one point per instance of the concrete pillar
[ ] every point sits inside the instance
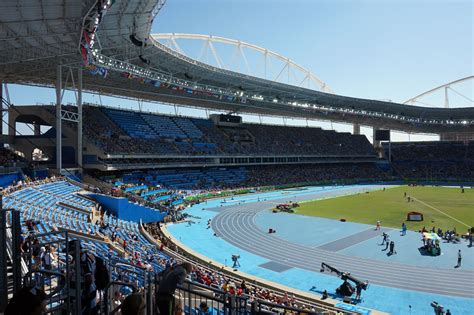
(356, 129)
(59, 152)
(1, 111)
(79, 122)
(37, 129)
(12, 116)
(375, 143)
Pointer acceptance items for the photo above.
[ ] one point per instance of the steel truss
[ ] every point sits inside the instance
(66, 115)
(446, 87)
(289, 66)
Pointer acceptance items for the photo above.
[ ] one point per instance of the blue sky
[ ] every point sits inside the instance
(378, 49)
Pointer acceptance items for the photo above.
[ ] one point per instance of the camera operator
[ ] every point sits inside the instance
(235, 259)
(439, 309)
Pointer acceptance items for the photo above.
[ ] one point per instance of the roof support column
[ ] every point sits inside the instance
(1, 112)
(446, 97)
(58, 119)
(79, 118)
(37, 129)
(356, 129)
(375, 143)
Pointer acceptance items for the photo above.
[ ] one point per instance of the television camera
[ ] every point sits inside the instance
(345, 289)
(235, 259)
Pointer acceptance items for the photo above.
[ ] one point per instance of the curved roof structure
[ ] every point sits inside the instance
(210, 39)
(37, 36)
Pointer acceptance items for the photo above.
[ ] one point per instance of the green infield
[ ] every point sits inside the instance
(441, 207)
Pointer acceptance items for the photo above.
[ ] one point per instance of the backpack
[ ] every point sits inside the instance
(102, 277)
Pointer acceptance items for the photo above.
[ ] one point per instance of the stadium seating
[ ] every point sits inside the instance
(49, 205)
(164, 126)
(188, 127)
(181, 179)
(57, 205)
(451, 161)
(164, 135)
(315, 173)
(132, 123)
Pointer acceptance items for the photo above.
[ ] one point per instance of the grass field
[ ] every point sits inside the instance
(390, 207)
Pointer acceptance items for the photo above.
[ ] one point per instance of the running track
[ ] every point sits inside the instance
(236, 225)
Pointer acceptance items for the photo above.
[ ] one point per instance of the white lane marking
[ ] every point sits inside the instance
(436, 209)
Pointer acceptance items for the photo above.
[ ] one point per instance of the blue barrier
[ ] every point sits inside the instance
(125, 210)
(8, 179)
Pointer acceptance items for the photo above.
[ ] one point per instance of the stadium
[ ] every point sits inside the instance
(241, 198)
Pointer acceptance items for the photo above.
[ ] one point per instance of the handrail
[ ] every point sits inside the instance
(61, 284)
(24, 267)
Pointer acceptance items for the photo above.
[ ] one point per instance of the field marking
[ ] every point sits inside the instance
(353, 193)
(436, 209)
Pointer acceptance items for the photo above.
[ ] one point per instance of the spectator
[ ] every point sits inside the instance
(48, 258)
(170, 279)
(117, 299)
(88, 286)
(27, 301)
(204, 309)
(134, 304)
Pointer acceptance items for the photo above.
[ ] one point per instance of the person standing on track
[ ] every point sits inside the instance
(392, 248)
(459, 259)
(404, 229)
(377, 226)
(385, 238)
(387, 243)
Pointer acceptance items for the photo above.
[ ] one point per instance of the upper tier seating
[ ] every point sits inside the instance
(164, 126)
(164, 135)
(188, 127)
(132, 123)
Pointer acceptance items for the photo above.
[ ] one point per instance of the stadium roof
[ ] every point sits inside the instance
(38, 35)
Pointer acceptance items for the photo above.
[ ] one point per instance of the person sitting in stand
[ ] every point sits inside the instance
(204, 309)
